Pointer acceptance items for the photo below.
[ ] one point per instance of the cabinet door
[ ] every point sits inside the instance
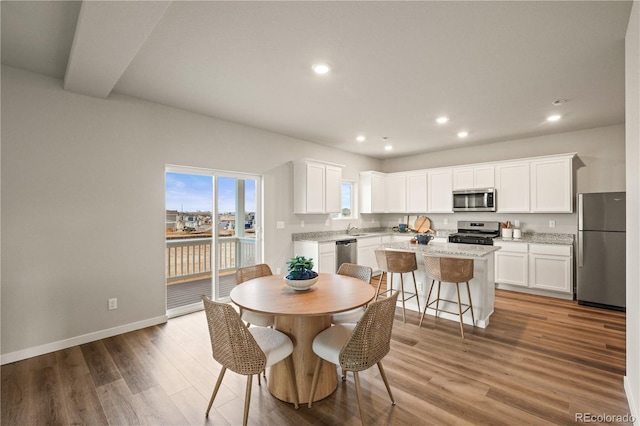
(315, 188)
(396, 193)
(463, 178)
(439, 193)
(511, 268)
(327, 257)
(378, 190)
(512, 187)
(551, 186)
(550, 272)
(366, 251)
(417, 192)
(333, 189)
(484, 177)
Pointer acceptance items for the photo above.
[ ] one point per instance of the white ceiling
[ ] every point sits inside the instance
(493, 67)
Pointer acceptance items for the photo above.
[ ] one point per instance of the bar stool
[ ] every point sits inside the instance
(455, 271)
(390, 262)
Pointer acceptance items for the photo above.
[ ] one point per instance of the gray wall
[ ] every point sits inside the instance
(632, 55)
(83, 204)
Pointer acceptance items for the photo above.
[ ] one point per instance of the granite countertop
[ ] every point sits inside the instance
(444, 249)
(540, 238)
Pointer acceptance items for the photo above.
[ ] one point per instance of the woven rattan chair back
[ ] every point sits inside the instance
(360, 272)
(396, 261)
(370, 340)
(232, 344)
(449, 269)
(250, 272)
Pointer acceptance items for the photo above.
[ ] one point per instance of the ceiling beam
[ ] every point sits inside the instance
(108, 36)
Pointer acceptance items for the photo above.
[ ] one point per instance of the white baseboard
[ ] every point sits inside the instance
(632, 405)
(79, 340)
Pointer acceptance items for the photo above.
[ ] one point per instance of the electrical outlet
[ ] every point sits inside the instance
(419, 285)
(446, 221)
(278, 271)
(302, 224)
(280, 224)
(516, 223)
(113, 304)
(326, 222)
(552, 224)
(400, 220)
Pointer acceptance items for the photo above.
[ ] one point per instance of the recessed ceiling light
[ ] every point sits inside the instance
(388, 148)
(463, 134)
(554, 117)
(361, 138)
(321, 68)
(442, 120)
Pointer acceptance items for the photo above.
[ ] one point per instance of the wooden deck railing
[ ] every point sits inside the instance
(190, 259)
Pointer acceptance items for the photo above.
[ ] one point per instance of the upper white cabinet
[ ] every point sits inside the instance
(551, 185)
(474, 177)
(316, 187)
(417, 192)
(372, 192)
(512, 187)
(439, 192)
(396, 193)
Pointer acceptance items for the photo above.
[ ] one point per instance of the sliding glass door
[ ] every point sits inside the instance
(212, 228)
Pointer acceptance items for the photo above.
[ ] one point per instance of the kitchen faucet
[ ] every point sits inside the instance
(350, 228)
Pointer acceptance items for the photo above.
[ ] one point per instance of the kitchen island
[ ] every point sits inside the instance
(482, 285)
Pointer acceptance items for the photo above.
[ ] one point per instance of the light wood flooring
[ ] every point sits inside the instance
(539, 362)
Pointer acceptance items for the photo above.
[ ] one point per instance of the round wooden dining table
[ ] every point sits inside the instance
(302, 315)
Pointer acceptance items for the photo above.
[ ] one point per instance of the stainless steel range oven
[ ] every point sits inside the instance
(476, 232)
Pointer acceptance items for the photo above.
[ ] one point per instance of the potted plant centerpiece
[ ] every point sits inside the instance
(300, 276)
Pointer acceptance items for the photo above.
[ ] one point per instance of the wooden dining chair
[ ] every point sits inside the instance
(247, 273)
(362, 273)
(357, 347)
(245, 351)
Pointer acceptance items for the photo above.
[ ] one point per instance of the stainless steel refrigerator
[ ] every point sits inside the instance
(601, 250)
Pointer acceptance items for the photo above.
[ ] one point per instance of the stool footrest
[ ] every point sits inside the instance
(462, 305)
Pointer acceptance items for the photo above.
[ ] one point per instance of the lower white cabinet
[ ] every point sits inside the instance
(550, 267)
(366, 251)
(511, 264)
(322, 253)
(544, 268)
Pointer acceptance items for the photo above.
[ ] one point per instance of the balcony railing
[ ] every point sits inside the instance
(190, 259)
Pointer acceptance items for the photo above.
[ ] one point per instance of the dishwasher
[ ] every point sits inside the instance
(346, 251)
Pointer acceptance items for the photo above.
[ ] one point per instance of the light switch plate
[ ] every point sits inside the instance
(552, 224)
(280, 224)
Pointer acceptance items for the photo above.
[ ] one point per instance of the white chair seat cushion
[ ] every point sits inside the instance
(350, 317)
(328, 343)
(275, 344)
(256, 318)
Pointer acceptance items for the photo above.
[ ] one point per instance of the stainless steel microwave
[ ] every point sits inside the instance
(474, 200)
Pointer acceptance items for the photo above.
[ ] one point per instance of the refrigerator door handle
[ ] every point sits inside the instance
(580, 249)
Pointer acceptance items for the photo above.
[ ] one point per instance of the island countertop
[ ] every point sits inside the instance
(473, 251)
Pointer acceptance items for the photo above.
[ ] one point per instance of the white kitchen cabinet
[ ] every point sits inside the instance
(511, 264)
(322, 253)
(550, 267)
(512, 187)
(439, 192)
(474, 177)
(316, 187)
(417, 192)
(372, 192)
(551, 185)
(366, 251)
(396, 193)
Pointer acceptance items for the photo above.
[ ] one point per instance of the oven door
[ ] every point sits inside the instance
(474, 200)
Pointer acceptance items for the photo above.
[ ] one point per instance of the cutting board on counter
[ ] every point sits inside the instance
(422, 224)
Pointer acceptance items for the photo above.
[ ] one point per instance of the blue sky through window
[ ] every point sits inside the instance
(189, 192)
